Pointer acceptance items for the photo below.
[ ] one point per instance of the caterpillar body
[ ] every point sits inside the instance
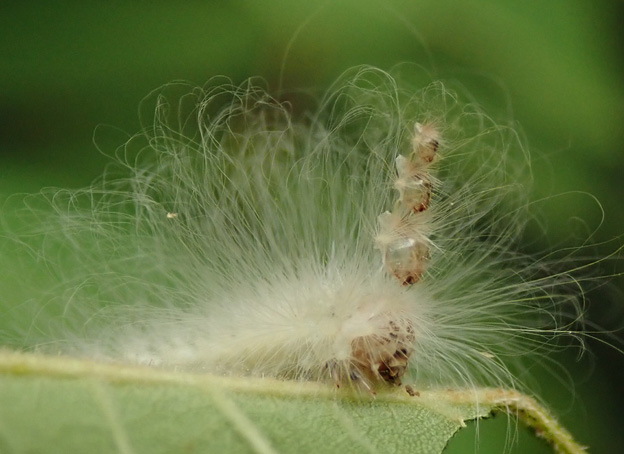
(367, 243)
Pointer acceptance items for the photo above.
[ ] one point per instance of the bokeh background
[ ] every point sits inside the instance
(556, 67)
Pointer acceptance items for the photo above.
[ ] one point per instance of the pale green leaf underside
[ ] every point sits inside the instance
(60, 405)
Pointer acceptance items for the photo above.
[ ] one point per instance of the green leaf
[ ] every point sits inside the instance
(61, 405)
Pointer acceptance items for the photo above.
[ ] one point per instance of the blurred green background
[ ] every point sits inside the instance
(556, 67)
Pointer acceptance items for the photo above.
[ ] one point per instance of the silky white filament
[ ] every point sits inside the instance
(369, 243)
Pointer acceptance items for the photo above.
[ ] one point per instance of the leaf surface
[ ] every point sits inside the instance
(61, 405)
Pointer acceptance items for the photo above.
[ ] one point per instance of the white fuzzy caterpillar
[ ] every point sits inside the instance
(237, 240)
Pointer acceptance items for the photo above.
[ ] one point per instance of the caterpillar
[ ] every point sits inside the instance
(369, 243)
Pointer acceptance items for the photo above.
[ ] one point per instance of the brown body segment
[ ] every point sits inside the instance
(384, 358)
(404, 246)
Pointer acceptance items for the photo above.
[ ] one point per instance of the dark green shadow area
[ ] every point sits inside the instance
(498, 434)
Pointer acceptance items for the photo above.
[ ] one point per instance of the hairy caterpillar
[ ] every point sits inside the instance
(366, 244)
